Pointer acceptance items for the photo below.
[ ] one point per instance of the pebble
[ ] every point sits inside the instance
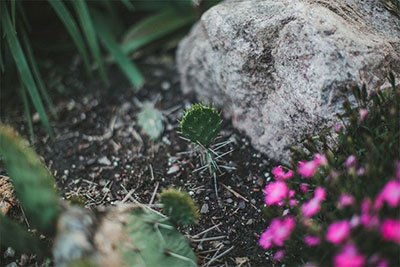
(12, 264)
(204, 209)
(249, 222)
(174, 169)
(104, 161)
(242, 205)
(229, 200)
(10, 252)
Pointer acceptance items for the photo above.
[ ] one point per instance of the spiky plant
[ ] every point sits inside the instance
(201, 124)
(179, 207)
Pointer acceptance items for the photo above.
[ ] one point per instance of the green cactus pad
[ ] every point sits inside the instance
(155, 242)
(34, 185)
(201, 124)
(179, 207)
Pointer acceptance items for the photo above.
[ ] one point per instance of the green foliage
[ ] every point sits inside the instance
(150, 120)
(155, 242)
(179, 207)
(34, 185)
(17, 237)
(91, 25)
(201, 124)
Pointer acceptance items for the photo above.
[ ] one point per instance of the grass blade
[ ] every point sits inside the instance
(27, 112)
(33, 184)
(155, 27)
(72, 28)
(127, 4)
(109, 42)
(13, 3)
(90, 34)
(36, 73)
(23, 68)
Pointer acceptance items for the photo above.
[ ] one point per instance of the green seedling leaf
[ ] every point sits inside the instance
(22, 66)
(109, 42)
(155, 242)
(201, 124)
(34, 185)
(179, 207)
(150, 120)
(72, 28)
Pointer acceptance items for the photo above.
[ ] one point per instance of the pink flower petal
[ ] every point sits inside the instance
(349, 257)
(275, 193)
(338, 232)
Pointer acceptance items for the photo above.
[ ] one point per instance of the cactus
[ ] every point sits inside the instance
(150, 120)
(179, 207)
(155, 242)
(34, 185)
(201, 124)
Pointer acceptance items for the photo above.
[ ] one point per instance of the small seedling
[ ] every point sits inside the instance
(150, 120)
(179, 207)
(201, 125)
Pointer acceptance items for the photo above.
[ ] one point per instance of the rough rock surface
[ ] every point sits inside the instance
(280, 68)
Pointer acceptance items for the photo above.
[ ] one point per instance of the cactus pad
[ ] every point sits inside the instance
(34, 185)
(155, 242)
(179, 207)
(201, 124)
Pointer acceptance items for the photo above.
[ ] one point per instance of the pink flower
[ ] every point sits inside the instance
(311, 207)
(349, 257)
(312, 240)
(389, 194)
(368, 219)
(279, 255)
(320, 159)
(390, 230)
(307, 169)
(282, 230)
(304, 188)
(277, 232)
(338, 232)
(351, 161)
(275, 192)
(345, 200)
(320, 193)
(363, 113)
(280, 174)
(337, 127)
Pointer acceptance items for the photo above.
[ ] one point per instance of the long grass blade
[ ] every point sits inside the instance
(23, 68)
(27, 112)
(109, 42)
(155, 27)
(88, 29)
(72, 28)
(13, 6)
(127, 4)
(36, 72)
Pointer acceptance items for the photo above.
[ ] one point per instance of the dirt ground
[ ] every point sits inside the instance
(100, 156)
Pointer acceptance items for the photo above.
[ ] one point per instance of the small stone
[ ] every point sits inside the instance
(242, 205)
(9, 253)
(12, 264)
(249, 222)
(173, 169)
(204, 209)
(260, 181)
(229, 200)
(104, 161)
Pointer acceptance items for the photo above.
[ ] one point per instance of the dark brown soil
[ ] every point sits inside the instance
(99, 154)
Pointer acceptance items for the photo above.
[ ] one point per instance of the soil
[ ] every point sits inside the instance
(99, 155)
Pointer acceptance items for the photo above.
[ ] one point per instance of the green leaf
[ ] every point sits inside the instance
(72, 28)
(150, 120)
(13, 4)
(36, 73)
(23, 68)
(155, 27)
(15, 236)
(34, 185)
(109, 42)
(88, 29)
(27, 112)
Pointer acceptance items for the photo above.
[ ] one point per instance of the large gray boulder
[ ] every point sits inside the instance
(281, 68)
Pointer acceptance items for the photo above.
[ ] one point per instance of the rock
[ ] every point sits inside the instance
(204, 209)
(280, 68)
(104, 161)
